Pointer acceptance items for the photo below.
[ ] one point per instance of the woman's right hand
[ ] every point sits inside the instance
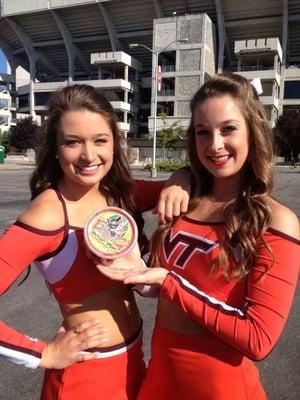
(118, 268)
(68, 346)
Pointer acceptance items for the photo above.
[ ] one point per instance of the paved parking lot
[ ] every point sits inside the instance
(31, 308)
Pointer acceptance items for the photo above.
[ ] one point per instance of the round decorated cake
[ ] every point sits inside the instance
(110, 232)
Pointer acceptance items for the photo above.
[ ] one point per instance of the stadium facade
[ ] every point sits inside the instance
(60, 42)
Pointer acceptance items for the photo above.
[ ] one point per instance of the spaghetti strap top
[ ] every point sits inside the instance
(69, 273)
(63, 203)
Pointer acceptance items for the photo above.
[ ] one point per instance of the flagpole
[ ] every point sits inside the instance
(153, 168)
(155, 59)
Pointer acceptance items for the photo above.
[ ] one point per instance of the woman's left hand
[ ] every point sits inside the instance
(118, 268)
(147, 276)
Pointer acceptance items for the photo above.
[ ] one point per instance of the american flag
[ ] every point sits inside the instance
(159, 78)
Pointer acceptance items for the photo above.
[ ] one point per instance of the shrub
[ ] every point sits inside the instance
(169, 137)
(24, 134)
(5, 141)
(287, 134)
(164, 165)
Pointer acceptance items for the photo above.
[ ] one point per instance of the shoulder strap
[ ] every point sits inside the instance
(62, 200)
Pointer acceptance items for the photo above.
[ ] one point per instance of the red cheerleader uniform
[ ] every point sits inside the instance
(244, 319)
(60, 256)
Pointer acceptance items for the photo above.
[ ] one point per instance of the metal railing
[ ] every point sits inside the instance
(257, 68)
(168, 68)
(166, 92)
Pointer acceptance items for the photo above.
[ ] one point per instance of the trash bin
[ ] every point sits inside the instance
(2, 154)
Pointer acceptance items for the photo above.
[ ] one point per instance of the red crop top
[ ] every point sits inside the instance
(249, 314)
(60, 256)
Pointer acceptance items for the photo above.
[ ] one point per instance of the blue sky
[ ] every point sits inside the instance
(2, 62)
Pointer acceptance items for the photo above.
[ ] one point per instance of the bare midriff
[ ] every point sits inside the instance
(115, 308)
(171, 317)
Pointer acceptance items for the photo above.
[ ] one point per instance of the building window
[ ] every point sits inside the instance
(292, 90)
(4, 103)
(267, 87)
(3, 120)
(167, 60)
(23, 101)
(42, 98)
(168, 87)
(166, 107)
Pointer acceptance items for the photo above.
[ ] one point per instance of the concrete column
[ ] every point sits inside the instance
(221, 35)
(285, 17)
(275, 62)
(71, 60)
(32, 62)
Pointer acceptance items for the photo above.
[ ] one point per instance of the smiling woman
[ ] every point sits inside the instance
(221, 136)
(227, 270)
(97, 353)
(84, 147)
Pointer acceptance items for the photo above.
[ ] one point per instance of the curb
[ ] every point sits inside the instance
(15, 166)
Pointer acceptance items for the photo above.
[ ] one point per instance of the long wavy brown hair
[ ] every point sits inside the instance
(248, 216)
(117, 185)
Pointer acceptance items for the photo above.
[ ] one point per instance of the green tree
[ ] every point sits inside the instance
(5, 140)
(287, 134)
(24, 134)
(168, 137)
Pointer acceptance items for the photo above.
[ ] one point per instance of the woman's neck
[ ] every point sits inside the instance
(224, 190)
(72, 193)
(220, 197)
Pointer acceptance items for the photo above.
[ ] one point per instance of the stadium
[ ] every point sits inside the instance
(119, 46)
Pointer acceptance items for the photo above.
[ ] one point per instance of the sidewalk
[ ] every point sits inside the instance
(23, 162)
(16, 162)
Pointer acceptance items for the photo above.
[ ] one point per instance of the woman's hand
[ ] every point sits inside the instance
(118, 268)
(67, 347)
(147, 276)
(174, 198)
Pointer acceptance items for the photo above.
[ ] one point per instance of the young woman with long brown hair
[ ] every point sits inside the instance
(227, 269)
(98, 351)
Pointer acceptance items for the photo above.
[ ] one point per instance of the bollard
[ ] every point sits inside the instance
(2, 154)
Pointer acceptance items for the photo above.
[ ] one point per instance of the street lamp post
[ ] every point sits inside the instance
(153, 167)
(155, 54)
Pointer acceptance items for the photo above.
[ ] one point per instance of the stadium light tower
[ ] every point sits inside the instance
(155, 53)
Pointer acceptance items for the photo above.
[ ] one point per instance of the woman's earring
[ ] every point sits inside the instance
(56, 156)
